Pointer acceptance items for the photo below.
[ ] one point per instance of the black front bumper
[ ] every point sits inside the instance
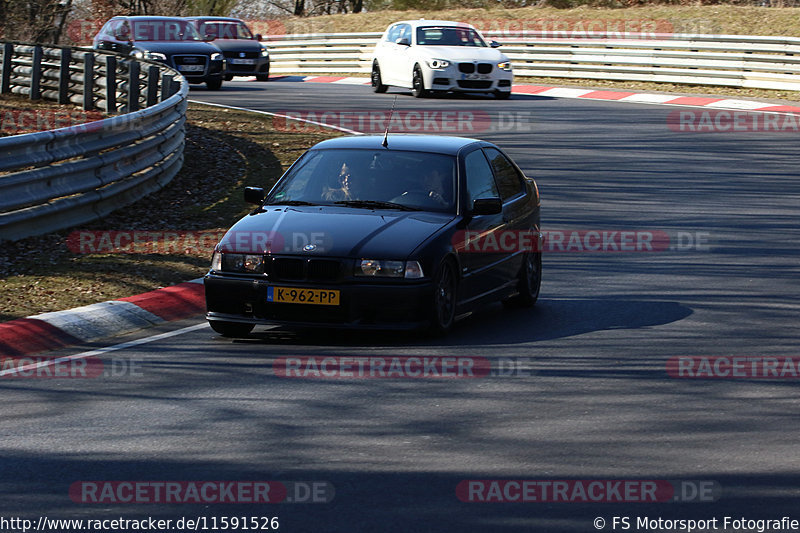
(361, 306)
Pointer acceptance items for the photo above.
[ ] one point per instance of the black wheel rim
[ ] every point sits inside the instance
(417, 82)
(376, 77)
(445, 297)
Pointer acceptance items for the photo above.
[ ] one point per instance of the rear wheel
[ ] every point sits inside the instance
(231, 329)
(443, 311)
(530, 281)
(377, 81)
(418, 84)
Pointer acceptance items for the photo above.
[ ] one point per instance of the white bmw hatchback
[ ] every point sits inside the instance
(439, 56)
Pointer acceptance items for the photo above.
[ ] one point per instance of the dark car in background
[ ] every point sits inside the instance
(359, 233)
(171, 40)
(243, 51)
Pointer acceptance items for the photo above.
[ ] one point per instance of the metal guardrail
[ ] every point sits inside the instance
(59, 178)
(725, 60)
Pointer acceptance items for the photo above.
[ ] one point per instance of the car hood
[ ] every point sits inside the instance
(238, 45)
(462, 53)
(177, 47)
(335, 231)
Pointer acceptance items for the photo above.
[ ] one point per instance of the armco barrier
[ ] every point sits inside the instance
(55, 179)
(725, 60)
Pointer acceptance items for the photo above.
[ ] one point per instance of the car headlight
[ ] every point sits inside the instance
(264, 52)
(438, 63)
(379, 268)
(505, 65)
(216, 56)
(154, 56)
(244, 263)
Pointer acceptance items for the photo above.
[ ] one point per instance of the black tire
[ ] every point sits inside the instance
(231, 329)
(443, 304)
(418, 84)
(377, 81)
(214, 85)
(530, 281)
(263, 76)
(502, 95)
(228, 77)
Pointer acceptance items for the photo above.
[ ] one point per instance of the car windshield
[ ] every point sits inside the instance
(164, 30)
(448, 36)
(379, 179)
(225, 30)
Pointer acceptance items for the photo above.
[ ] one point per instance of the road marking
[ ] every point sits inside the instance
(107, 349)
(321, 124)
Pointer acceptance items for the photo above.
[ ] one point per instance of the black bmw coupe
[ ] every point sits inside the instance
(397, 232)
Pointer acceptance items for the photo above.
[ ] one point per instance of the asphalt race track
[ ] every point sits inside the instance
(589, 397)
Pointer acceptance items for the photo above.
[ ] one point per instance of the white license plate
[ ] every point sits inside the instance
(191, 68)
(474, 76)
(243, 61)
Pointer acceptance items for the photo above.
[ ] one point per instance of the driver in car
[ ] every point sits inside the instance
(342, 188)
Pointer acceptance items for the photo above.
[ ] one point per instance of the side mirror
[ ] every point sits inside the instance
(254, 195)
(259, 37)
(494, 44)
(403, 41)
(487, 206)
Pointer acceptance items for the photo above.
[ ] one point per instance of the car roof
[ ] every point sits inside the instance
(221, 19)
(146, 17)
(439, 144)
(425, 22)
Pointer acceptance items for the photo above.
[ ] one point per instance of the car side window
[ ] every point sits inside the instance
(480, 181)
(508, 179)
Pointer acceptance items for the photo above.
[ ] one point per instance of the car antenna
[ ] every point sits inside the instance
(385, 142)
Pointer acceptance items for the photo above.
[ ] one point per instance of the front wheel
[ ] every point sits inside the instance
(214, 85)
(231, 329)
(443, 312)
(377, 81)
(530, 281)
(418, 84)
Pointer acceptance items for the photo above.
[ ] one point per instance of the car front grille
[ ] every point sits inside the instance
(293, 269)
(474, 84)
(238, 55)
(201, 60)
(469, 68)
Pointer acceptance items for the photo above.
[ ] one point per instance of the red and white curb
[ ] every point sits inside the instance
(591, 94)
(49, 331)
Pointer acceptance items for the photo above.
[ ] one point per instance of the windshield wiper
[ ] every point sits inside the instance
(293, 202)
(377, 204)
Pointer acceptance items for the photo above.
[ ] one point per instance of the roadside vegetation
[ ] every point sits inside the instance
(225, 151)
